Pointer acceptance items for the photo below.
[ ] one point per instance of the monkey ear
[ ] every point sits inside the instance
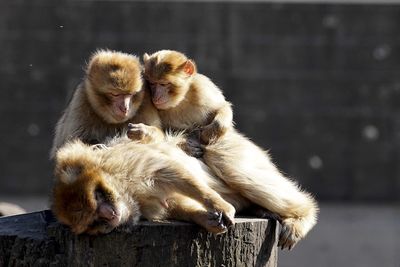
(69, 174)
(189, 67)
(146, 57)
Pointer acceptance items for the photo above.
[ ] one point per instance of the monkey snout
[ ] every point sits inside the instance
(107, 212)
(124, 109)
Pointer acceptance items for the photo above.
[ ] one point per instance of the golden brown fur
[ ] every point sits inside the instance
(128, 176)
(186, 101)
(90, 116)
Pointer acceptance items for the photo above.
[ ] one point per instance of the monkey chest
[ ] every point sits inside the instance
(183, 120)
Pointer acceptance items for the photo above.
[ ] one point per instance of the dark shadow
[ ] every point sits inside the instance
(264, 255)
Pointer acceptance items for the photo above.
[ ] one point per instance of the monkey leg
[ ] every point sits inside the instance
(249, 170)
(181, 207)
(183, 181)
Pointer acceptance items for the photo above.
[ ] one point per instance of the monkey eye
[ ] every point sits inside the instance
(164, 84)
(114, 94)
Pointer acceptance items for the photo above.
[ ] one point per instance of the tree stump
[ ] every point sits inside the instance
(37, 239)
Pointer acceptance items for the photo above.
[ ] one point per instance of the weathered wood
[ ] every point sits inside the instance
(36, 239)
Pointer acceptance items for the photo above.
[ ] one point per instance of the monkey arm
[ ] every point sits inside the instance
(222, 121)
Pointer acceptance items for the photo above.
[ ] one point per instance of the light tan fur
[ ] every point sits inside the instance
(89, 117)
(196, 102)
(131, 175)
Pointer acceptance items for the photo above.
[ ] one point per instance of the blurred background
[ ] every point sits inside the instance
(316, 83)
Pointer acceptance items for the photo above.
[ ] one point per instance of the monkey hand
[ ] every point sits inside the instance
(99, 146)
(192, 147)
(291, 233)
(212, 132)
(140, 132)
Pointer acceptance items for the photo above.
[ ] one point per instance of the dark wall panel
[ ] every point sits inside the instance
(318, 85)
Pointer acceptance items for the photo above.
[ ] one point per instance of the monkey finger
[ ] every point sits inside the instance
(215, 218)
(227, 220)
(196, 152)
(215, 223)
(99, 146)
(136, 126)
(193, 148)
(135, 134)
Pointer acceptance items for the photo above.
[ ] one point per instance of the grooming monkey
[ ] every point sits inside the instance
(97, 190)
(187, 100)
(109, 98)
(110, 95)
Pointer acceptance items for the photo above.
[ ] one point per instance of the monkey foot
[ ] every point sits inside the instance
(289, 235)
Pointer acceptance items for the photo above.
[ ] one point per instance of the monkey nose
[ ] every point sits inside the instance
(123, 109)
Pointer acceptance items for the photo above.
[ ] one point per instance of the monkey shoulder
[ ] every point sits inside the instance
(208, 93)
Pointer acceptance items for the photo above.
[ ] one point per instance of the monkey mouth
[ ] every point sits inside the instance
(121, 117)
(114, 222)
(159, 102)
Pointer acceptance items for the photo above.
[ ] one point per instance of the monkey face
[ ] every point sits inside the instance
(114, 85)
(169, 75)
(83, 197)
(163, 93)
(118, 107)
(107, 216)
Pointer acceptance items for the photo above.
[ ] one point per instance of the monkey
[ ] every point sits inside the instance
(110, 96)
(188, 100)
(97, 190)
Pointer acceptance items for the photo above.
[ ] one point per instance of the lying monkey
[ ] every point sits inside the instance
(96, 190)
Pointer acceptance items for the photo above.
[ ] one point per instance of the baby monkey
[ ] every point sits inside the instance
(110, 95)
(97, 190)
(187, 100)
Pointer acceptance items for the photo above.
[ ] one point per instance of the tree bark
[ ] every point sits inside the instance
(36, 239)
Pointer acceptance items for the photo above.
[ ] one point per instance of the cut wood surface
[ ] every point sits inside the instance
(37, 239)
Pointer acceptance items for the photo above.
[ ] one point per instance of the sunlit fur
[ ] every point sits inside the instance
(167, 65)
(89, 116)
(129, 173)
(194, 100)
(113, 72)
(232, 157)
(78, 179)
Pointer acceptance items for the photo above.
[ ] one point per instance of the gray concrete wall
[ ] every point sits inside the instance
(317, 84)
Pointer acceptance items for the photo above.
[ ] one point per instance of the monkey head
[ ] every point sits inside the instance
(83, 197)
(169, 75)
(114, 85)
